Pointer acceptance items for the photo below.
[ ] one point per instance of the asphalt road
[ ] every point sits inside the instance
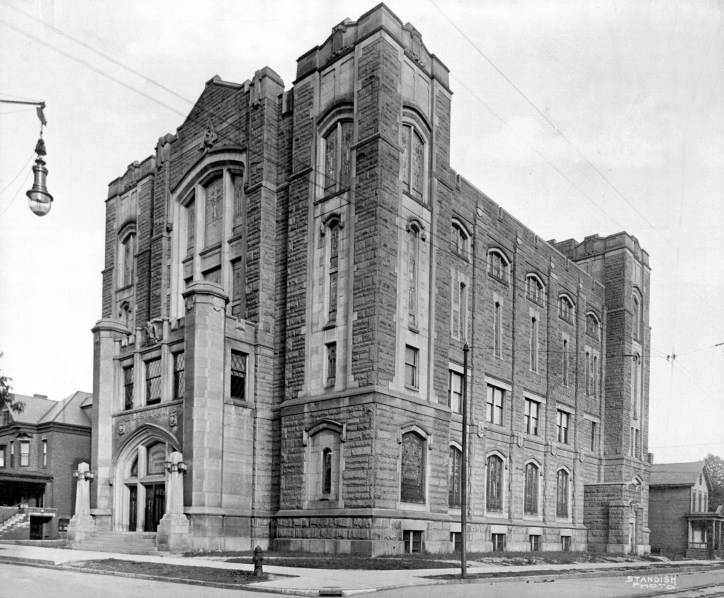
(594, 587)
(17, 581)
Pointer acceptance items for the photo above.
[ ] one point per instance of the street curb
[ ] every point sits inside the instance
(427, 581)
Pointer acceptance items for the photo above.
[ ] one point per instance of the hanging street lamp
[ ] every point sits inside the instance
(39, 200)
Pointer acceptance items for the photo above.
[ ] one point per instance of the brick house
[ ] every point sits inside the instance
(289, 283)
(39, 451)
(680, 517)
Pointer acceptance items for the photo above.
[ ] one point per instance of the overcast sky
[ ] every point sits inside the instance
(577, 117)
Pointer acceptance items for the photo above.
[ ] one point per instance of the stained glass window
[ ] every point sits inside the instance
(179, 379)
(214, 211)
(562, 493)
(238, 375)
(494, 487)
(456, 458)
(153, 381)
(413, 468)
(531, 489)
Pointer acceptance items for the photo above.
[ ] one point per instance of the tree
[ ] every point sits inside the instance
(6, 398)
(714, 466)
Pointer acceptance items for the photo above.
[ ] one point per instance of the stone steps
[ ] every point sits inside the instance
(20, 520)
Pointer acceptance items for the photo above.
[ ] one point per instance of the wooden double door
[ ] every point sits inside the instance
(154, 509)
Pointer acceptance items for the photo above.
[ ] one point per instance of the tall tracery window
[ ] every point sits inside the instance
(459, 308)
(636, 318)
(530, 502)
(534, 289)
(179, 379)
(413, 270)
(497, 329)
(533, 344)
(153, 381)
(494, 485)
(498, 266)
(593, 328)
(127, 260)
(565, 309)
(333, 267)
(190, 226)
(562, 493)
(214, 211)
(460, 239)
(454, 485)
(237, 288)
(338, 157)
(412, 482)
(412, 161)
(327, 471)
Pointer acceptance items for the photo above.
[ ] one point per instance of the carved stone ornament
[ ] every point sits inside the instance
(481, 429)
(190, 300)
(581, 456)
(172, 419)
(519, 439)
(210, 136)
(121, 429)
(554, 449)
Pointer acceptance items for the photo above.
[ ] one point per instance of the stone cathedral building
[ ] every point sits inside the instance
(289, 283)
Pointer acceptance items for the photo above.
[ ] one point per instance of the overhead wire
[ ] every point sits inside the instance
(209, 112)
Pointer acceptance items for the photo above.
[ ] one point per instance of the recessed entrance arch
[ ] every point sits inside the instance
(139, 481)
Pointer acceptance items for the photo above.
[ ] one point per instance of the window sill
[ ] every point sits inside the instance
(500, 279)
(413, 328)
(565, 319)
(413, 506)
(329, 194)
(412, 388)
(330, 325)
(419, 199)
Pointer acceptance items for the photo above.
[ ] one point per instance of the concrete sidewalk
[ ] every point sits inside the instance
(309, 581)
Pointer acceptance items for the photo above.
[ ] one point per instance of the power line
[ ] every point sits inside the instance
(212, 113)
(545, 117)
(27, 163)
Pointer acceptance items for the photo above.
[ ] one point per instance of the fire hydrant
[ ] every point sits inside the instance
(258, 559)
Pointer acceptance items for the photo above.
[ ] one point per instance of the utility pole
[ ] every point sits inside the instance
(464, 468)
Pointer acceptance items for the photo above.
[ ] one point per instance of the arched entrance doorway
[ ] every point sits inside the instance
(140, 480)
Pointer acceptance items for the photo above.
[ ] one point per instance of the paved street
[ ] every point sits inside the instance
(596, 587)
(18, 581)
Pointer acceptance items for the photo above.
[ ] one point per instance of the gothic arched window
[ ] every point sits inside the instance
(531, 489)
(494, 486)
(338, 157)
(412, 484)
